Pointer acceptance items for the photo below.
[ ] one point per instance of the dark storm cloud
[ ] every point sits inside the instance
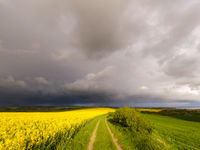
(99, 52)
(99, 25)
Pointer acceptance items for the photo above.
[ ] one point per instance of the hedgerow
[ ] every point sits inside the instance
(139, 130)
(128, 117)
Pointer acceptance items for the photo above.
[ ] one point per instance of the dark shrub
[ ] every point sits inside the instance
(129, 117)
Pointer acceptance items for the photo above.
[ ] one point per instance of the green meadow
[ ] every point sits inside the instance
(173, 131)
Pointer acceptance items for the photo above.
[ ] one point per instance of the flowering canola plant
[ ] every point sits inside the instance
(149, 109)
(27, 130)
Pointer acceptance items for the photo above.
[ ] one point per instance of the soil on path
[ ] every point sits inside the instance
(93, 137)
(115, 140)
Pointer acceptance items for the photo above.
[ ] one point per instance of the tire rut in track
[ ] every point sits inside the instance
(93, 137)
(115, 140)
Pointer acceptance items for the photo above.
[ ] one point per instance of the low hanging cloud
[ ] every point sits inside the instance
(140, 52)
(41, 80)
(92, 81)
(11, 82)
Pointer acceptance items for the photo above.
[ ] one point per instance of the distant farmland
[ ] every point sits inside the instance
(82, 128)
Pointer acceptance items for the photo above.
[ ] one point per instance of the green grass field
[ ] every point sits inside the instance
(178, 133)
(173, 132)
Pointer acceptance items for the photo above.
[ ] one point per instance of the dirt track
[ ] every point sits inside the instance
(115, 140)
(93, 137)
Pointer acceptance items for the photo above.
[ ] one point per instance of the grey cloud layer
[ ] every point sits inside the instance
(98, 51)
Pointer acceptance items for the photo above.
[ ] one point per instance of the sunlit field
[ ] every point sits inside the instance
(151, 129)
(89, 128)
(38, 130)
(149, 110)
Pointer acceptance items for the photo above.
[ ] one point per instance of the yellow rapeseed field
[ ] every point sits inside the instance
(19, 131)
(149, 109)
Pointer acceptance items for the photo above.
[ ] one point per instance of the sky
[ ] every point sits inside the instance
(141, 53)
